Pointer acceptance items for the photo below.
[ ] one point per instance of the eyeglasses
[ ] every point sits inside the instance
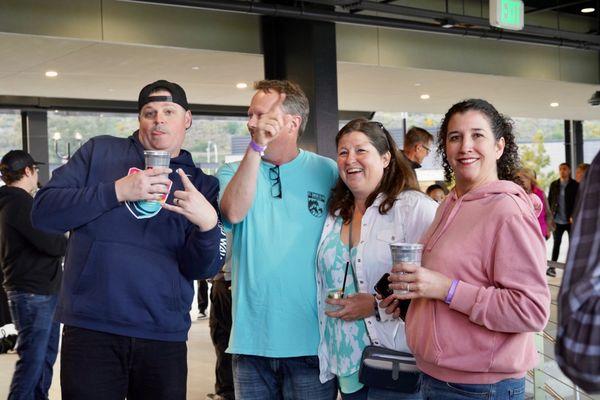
(276, 185)
(426, 148)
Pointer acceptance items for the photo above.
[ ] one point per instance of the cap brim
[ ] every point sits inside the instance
(39, 163)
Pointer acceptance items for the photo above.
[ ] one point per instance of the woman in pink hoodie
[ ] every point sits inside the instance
(482, 291)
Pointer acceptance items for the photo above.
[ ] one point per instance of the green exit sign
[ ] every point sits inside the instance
(507, 14)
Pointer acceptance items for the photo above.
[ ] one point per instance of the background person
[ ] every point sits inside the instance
(527, 177)
(417, 145)
(483, 268)
(580, 171)
(31, 264)
(378, 199)
(436, 192)
(275, 201)
(562, 196)
(130, 269)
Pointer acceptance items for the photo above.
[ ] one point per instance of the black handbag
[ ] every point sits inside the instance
(389, 369)
(384, 368)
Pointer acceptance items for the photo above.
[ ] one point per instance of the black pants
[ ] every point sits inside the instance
(202, 296)
(558, 234)
(102, 366)
(220, 328)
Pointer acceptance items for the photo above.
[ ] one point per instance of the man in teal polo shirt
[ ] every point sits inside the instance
(275, 201)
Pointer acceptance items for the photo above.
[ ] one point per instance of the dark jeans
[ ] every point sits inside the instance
(102, 366)
(220, 328)
(508, 389)
(558, 234)
(202, 295)
(37, 344)
(265, 378)
(367, 393)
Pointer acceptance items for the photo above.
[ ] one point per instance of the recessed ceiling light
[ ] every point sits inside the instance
(588, 10)
(555, 104)
(195, 68)
(111, 90)
(241, 85)
(417, 84)
(424, 97)
(51, 74)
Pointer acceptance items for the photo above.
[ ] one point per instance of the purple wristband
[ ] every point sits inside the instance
(257, 147)
(451, 292)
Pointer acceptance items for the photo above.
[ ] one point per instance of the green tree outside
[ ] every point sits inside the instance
(534, 156)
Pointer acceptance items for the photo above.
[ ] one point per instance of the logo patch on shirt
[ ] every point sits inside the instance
(142, 208)
(316, 204)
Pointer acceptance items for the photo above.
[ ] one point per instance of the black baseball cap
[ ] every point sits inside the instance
(177, 94)
(16, 160)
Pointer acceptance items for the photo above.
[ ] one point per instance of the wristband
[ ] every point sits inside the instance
(451, 291)
(257, 147)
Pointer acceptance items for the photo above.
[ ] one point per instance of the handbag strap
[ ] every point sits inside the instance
(354, 277)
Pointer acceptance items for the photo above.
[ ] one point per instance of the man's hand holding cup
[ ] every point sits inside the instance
(150, 184)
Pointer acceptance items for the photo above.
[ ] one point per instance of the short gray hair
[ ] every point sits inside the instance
(295, 103)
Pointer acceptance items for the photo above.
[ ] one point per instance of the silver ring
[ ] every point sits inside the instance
(408, 287)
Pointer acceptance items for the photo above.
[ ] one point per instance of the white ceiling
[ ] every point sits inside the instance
(109, 71)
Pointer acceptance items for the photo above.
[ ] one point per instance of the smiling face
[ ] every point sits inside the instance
(163, 125)
(360, 165)
(472, 150)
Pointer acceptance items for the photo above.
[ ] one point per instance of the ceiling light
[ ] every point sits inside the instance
(195, 68)
(241, 85)
(588, 10)
(555, 104)
(424, 97)
(51, 74)
(417, 84)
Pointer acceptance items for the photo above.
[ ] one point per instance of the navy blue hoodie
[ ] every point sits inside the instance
(123, 275)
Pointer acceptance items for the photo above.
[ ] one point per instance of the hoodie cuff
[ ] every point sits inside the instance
(108, 195)
(464, 298)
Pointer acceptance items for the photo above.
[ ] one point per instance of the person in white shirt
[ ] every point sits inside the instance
(376, 202)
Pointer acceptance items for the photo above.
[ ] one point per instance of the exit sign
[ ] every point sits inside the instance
(507, 14)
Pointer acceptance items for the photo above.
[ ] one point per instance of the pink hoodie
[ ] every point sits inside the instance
(490, 240)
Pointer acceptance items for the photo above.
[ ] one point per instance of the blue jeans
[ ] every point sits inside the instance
(265, 378)
(367, 393)
(37, 344)
(508, 389)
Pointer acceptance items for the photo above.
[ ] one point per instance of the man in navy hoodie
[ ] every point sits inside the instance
(131, 263)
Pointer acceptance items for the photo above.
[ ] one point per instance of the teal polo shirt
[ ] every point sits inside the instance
(273, 263)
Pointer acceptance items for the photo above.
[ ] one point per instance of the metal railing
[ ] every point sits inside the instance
(547, 379)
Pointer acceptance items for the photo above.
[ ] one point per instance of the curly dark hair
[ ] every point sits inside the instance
(502, 127)
(397, 176)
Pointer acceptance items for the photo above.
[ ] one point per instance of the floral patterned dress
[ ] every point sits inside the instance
(345, 340)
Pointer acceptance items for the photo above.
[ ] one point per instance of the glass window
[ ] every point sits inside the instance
(10, 131)
(67, 130)
(591, 140)
(211, 140)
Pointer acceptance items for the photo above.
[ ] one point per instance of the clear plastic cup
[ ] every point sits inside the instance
(334, 294)
(406, 253)
(158, 158)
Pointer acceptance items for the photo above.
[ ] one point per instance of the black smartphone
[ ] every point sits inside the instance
(383, 286)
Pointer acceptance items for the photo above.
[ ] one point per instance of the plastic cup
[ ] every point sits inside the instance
(157, 158)
(410, 253)
(334, 294)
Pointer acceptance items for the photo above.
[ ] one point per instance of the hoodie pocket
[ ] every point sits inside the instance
(131, 286)
(421, 329)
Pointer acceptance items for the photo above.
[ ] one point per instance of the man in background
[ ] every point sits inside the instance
(417, 145)
(31, 264)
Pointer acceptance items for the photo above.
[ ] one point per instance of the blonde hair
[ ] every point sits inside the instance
(529, 174)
